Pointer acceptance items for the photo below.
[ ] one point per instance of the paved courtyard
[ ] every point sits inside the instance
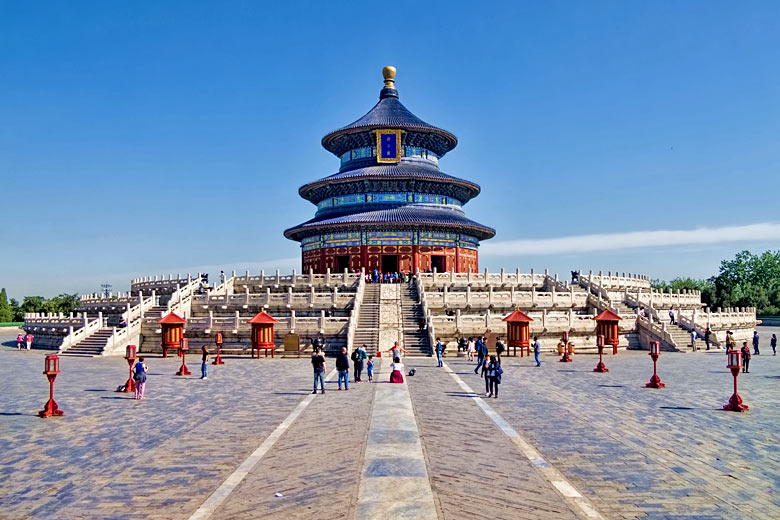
(559, 442)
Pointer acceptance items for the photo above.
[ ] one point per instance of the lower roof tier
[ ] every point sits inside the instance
(411, 216)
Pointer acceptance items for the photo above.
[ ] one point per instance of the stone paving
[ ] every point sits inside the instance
(634, 452)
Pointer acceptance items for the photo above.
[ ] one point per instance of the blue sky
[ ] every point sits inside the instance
(147, 137)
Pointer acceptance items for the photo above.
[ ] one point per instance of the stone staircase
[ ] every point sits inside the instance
(90, 346)
(367, 331)
(416, 342)
(681, 336)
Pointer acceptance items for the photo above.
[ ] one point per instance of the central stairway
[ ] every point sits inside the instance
(416, 340)
(367, 331)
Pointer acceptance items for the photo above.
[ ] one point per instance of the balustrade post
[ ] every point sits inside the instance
(486, 275)
(322, 321)
(292, 320)
(211, 319)
(289, 296)
(238, 325)
(457, 320)
(335, 294)
(571, 319)
(544, 319)
(533, 294)
(278, 277)
(468, 278)
(267, 296)
(502, 275)
(262, 277)
(444, 296)
(294, 277)
(490, 295)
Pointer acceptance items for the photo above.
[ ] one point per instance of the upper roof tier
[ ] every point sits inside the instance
(389, 113)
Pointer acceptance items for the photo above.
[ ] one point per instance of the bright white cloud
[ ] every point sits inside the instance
(632, 240)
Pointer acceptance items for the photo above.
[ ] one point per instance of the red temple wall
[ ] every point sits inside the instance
(410, 258)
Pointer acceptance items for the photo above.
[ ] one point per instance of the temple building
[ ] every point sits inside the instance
(389, 207)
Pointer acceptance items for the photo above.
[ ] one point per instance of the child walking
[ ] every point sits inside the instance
(370, 368)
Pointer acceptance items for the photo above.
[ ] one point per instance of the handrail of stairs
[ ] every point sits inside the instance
(353, 316)
(75, 336)
(426, 312)
(657, 329)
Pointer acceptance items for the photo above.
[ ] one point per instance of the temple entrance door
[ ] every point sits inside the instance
(342, 262)
(389, 263)
(439, 262)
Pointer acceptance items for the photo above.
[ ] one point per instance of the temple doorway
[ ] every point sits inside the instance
(439, 263)
(342, 262)
(389, 263)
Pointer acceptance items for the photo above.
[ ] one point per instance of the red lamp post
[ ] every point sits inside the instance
(172, 327)
(517, 332)
(735, 364)
(130, 352)
(218, 359)
(51, 367)
(655, 351)
(607, 326)
(601, 367)
(262, 333)
(183, 370)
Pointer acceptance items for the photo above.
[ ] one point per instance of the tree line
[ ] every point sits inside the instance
(749, 280)
(13, 311)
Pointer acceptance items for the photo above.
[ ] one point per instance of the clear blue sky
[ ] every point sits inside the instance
(147, 137)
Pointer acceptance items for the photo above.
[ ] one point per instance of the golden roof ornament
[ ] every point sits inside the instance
(389, 74)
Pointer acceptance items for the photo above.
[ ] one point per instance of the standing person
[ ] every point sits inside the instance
(755, 343)
(500, 348)
(396, 374)
(470, 349)
(358, 357)
(745, 358)
(222, 277)
(493, 377)
(342, 365)
(481, 353)
(318, 362)
(693, 339)
(28, 340)
(707, 335)
(370, 368)
(671, 315)
(204, 363)
(462, 343)
(139, 377)
(537, 348)
(730, 343)
(439, 351)
(19, 341)
(773, 344)
(396, 350)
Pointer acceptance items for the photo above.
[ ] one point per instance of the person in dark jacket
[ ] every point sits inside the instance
(500, 348)
(358, 358)
(342, 365)
(707, 336)
(745, 358)
(318, 362)
(755, 343)
(493, 376)
(439, 351)
(482, 352)
(773, 344)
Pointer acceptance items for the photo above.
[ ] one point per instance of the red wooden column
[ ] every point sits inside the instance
(607, 326)
(172, 332)
(262, 333)
(517, 331)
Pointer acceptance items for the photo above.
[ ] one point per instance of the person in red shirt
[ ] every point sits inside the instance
(29, 341)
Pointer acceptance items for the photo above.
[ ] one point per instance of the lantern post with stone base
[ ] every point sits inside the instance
(655, 353)
(601, 367)
(51, 367)
(735, 364)
(130, 352)
(183, 347)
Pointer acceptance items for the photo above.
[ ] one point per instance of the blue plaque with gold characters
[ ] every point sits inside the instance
(388, 146)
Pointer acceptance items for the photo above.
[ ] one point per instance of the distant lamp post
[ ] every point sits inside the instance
(735, 364)
(183, 370)
(567, 349)
(130, 352)
(655, 352)
(601, 367)
(218, 359)
(51, 367)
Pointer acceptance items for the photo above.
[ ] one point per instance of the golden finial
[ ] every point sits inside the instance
(389, 74)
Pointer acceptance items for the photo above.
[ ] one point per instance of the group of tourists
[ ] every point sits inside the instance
(361, 360)
(731, 344)
(377, 276)
(24, 341)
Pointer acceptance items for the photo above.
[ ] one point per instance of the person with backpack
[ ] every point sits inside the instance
(139, 377)
(358, 357)
(482, 352)
(439, 351)
(493, 377)
(707, 335)
(318, 363)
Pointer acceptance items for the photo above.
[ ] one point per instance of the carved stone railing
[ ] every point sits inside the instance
(632, 282)
(260, 282)
(446, 299)
(290, 300)
(516, 279)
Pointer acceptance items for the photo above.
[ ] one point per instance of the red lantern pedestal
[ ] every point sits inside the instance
(655, 381)
(601, 367)
(735, 402)
(183, 370)
(218, 359)
(51, 369)
(130, 385)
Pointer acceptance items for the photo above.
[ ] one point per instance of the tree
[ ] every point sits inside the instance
(33, 304)
(5, 309)
(16, 312)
